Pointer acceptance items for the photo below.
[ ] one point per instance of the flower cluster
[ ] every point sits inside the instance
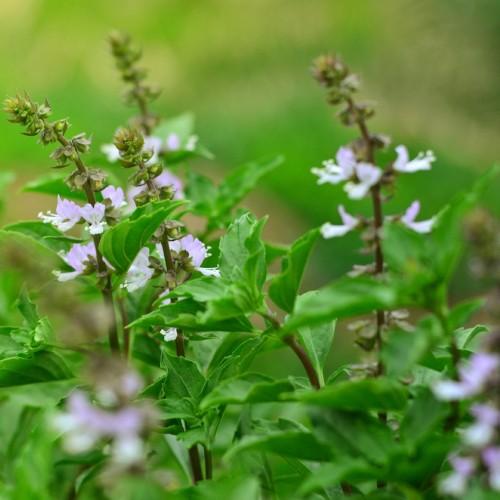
(188, 254)
(68, 213)
(479, 378)
(110, 417)
(360, 177)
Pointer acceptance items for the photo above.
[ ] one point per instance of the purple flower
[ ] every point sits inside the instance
(173, 142)
(78, 257)
(94, 215)
(473, 377)
(455, 483)
(67, 215)
(482, 431)
(367, 176)
(153, 144)
(115, 195)
(334, 173)
(421, 162)
(349, 223)
(197, 251)
(139, 272)
(84, 424)
(408, 219)
(491, 458)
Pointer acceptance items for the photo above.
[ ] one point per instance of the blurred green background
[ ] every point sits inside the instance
(243, 68)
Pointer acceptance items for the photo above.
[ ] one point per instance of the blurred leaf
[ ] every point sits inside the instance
(358, 395)
(317, 341)
(247, 388)
(54, 184)
(42, 366)
(343, 298)
(466, 336)
(284, 287)
(288, 443)
(43, 234)
(225, 488)
(121, 243)
(423, 417)
(461, 314)
(29, 418)
(404, 349)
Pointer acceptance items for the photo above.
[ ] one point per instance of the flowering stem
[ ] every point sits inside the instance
(107, 288)
(378, 221)
(126, 330)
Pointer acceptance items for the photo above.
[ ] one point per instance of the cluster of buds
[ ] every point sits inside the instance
(137, 152)
(31, 115)
(479, 379)
(127, 57)
(110, 419)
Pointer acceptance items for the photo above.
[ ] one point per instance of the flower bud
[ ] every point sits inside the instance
(129, 141)
(329, 70)
(155, 170)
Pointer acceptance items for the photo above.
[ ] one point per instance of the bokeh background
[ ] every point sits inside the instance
(243, 67)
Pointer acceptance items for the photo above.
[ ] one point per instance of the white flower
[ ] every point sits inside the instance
(191, 143)
(332, 231)
(115, 195)
(455, 483)
(173, 142)
(408, 219)
(153, 144)
(67, 215)
(94, 215)
(169, 334)
(334, 173)
(421, 162)
(111, 151)
(139, 272)
(197, 251)
(491, 458)
(367, 176)
(78, 258)
(481, 432)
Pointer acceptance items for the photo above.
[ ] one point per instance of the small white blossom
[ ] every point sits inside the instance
(139, 272)
(67, 215)
(111, 152)
(169, 334)
(421, 162)
(115, 195)
(491, 458)
(197, 251)
(94, 215)
(408, 219)
(78, 258)
(349, 223)
(367, 176)
(456, 482)
(334, 173)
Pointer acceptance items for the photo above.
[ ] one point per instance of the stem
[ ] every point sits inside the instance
(208, 463)
(107, 289)
(454, 417)
(126, 330)
(291, 341)
(378, 221)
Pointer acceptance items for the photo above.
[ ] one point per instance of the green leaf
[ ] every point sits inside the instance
(43, 234)
(343, 298)
(42, 366)
(467, 337)
(463, 312)
(184, 379)
(28, 309)
(423, 417)
(284, 287)
(289, 443)
(54, 184)
(317, 341)
(121, 243)
(331, 474)
(191, 315)
(356, 435)
(225, 488)
(247, 388)
(404, 349)
(358, 395)
(240, 182)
